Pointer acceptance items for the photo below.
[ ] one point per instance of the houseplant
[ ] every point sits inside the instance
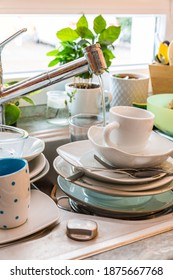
(73, 41)
(12, 109)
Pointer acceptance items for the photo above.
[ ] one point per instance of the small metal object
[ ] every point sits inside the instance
(96, 59)
(75, 176)
(81, 229)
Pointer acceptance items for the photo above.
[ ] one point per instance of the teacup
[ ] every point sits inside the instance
(129, 128)
(14, 192)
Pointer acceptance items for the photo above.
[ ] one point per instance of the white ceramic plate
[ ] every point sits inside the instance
(32, 148)
(42, 173)
(157, 150)
(64, 169)
(36, 165)
(81, 153)
(130, 205)
(43, 212)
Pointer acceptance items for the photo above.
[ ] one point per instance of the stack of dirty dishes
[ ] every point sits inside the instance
(15, 142)
(124, 170)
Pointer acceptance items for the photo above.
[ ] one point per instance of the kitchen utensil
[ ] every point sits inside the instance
(111, 186)
(136, 172)
(81, 155)
(163, 53)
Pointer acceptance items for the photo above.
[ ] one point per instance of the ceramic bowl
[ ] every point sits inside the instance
(158, 105)
(33, 147)
(157, 150)
(12, 140)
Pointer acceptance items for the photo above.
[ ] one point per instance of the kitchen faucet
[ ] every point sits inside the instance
(93, 60)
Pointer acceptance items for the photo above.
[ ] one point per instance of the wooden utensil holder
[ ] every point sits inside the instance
(161, 78)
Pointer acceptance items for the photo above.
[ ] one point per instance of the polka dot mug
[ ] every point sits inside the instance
(14, 192)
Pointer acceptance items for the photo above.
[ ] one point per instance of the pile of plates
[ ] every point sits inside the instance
(100, 191)
(33, 153)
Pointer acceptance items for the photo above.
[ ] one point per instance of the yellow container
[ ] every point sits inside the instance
(161, 78)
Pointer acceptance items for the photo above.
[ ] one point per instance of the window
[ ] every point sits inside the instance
(143, 26)
(27, 52)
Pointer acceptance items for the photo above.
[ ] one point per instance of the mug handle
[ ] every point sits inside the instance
(107, 132)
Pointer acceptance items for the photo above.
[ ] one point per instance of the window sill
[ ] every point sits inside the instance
(34, 121)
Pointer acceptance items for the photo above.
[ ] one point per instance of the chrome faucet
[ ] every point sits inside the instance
(93, 60)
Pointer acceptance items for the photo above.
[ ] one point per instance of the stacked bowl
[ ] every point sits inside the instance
(15, 142)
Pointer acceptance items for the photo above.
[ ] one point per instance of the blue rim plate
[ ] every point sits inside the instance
(121, 205)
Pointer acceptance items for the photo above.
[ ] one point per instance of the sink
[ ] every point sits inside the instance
(130, 251)
(46, 183)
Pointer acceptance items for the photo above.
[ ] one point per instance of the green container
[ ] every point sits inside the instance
(158, 105)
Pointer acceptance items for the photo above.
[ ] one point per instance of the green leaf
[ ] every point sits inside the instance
(12, 113)
(108, 53)
(74, 41)
(82, 22)
(10, 83)
(109, 35)
(29, 100)
(84, 32)
(67, 34)
(99, 24)
(53, 53)
(53, 62)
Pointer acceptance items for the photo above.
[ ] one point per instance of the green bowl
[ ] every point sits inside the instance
(158, 105)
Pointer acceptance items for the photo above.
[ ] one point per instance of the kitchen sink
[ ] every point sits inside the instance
(46, 183)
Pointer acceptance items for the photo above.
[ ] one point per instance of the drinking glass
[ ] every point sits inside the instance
(79, 125)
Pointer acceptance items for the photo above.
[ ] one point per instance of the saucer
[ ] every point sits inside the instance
(42, 213)
(32, 148)
(130, 205)
(64, 169)
(157, 150)
(81, 154)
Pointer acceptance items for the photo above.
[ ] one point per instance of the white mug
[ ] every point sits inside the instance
(86, 101)
(14, 192)
(129, 128)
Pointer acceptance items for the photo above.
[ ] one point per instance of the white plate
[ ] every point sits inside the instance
(32, 148)
(130, 205)
(36, 165)
(42, 213)
(81, 153)
(64, 169)
(42, 173)
(157, 150)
